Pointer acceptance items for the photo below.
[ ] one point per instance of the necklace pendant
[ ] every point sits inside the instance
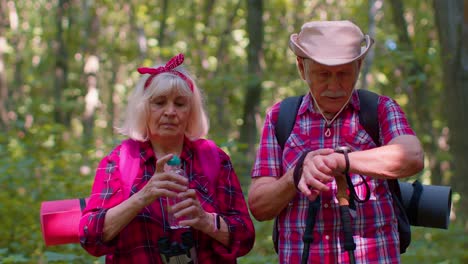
(327, 132)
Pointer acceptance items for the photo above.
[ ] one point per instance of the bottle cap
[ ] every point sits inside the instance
(174, 161)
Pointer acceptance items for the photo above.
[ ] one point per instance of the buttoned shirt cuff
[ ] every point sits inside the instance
(93, 242)
(232, 250)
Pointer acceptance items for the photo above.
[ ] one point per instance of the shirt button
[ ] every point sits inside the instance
(327, 237)
(325, 205)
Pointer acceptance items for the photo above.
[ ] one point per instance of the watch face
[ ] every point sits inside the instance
(343, 149)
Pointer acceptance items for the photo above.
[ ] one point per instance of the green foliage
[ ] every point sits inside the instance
(431, 245)
(36, 165)
(41, 160)
(263, 251)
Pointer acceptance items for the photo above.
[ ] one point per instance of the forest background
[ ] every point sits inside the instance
(67, 67)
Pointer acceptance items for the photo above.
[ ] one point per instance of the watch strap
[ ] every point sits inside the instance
(298, 169)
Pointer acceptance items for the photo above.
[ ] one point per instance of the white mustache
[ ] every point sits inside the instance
(333, 94)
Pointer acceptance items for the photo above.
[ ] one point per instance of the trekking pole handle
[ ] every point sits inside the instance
(343, 200)
(342, 195)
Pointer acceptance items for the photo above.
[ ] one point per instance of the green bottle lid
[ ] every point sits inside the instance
(174, 161)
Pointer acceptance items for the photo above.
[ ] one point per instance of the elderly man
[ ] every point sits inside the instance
(329, 58)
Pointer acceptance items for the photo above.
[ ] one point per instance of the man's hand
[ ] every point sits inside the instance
(319, 168)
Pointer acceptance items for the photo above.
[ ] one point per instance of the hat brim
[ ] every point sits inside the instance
(300, 52)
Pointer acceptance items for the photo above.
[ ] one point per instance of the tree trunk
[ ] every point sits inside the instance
(162, 29)
(222, 55)
(207, 10)
(140, 32)
(452, 26)
(4, 124)
(16, 89)
(248, 133)
(61, 64)
(374, 7)
(90, 70)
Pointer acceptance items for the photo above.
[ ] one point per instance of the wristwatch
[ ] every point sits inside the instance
(353, 195)
(344, 150)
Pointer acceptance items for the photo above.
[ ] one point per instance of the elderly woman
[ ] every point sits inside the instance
(126, 216)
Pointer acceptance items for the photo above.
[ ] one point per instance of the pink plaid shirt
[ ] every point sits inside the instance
(138, 241)
(375, 225)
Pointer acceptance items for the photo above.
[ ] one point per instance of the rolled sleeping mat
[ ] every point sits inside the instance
(427, 205)
(60, 220)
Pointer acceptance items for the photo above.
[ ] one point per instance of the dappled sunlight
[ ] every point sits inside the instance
(68, 67)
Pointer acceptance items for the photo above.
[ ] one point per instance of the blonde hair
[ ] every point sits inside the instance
(135, 123)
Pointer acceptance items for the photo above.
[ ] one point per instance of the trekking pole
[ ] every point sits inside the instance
(343, 200)
(309, 230)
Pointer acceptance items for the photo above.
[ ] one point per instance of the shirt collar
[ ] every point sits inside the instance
(147, 153)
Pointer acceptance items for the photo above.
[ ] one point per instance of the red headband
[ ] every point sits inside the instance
(169, 67)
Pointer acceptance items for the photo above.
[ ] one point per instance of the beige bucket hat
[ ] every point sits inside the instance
(330, 42)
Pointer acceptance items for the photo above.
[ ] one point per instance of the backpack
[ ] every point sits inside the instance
(60, 218)
(369, 120)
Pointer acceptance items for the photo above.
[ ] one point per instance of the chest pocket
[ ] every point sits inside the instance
(360, 139)
(293, 148)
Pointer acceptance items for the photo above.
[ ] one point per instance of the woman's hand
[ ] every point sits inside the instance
(162, 183)
(191, 209)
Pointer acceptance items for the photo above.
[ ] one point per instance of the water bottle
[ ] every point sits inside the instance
(174, 165)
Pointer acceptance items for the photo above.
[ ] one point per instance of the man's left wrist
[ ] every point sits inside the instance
(345, 150)
(341, 162)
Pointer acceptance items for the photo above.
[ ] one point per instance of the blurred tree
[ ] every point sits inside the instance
(4, 23)
(91, 69)
(162, 28)
(249, 131)
(61, 62)
(374, 8)
(417, 88)
(452, 27)
(221, 52)
(50, 50)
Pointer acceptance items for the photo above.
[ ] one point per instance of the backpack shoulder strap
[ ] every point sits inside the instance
(128, 165)
(207, 154)
(283, 127)
(368, 115)
(286, 118)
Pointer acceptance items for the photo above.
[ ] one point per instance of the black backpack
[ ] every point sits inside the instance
(369, 120)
